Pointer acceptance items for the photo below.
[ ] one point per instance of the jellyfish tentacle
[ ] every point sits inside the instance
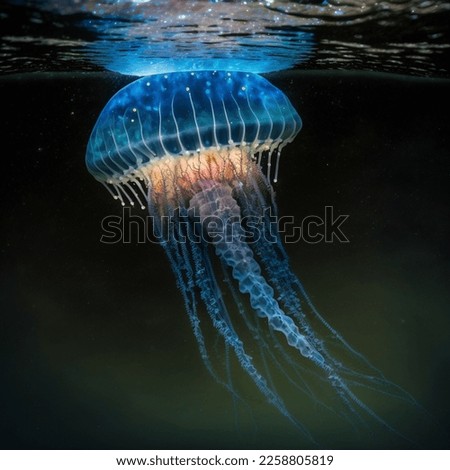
(218, 314)
(275, 260)
(287, 283)
(182, 270)
(216, 200)
(266, 346)
(297, 303)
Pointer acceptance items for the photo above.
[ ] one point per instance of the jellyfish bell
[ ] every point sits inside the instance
(194, 142)
(171, 129)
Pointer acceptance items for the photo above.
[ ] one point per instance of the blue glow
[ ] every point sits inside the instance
(255, 54)
(179, 113)
(145, 39)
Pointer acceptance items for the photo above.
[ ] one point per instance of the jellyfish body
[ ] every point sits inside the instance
(179, 114)
(190, 146)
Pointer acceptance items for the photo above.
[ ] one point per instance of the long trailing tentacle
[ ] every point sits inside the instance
(191, 267)
(215, 200)
(295, 299)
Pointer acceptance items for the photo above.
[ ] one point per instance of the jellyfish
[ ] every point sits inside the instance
(201, 151)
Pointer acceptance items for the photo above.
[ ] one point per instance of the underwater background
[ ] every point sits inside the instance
(97, 351)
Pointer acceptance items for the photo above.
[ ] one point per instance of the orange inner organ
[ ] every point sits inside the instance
(172, 178)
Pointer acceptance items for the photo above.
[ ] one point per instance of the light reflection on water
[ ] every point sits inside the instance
(141, 37)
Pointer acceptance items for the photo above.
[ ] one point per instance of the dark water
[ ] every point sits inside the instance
(97, 351)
